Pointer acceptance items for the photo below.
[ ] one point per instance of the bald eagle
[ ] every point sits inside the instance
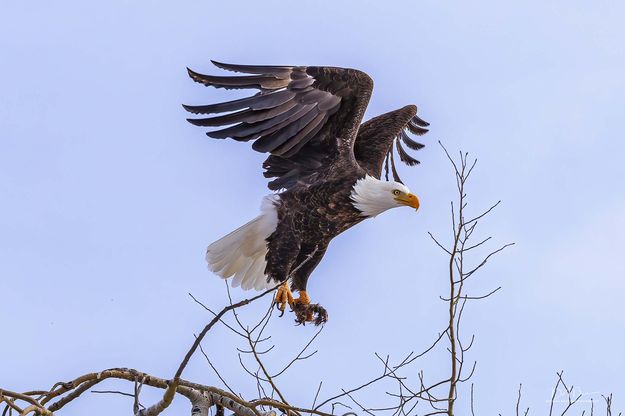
(325, 166)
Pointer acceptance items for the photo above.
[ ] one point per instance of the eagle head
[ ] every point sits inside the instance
(373, 196)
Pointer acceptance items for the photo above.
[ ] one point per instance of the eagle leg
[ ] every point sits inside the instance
(303, 299)
(283, 296)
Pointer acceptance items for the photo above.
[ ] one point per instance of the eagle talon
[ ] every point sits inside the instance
(314, 313)
(308, 312)
(283, 296)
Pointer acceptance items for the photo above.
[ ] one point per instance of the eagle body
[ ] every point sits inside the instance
(308, 219)
(325, 165)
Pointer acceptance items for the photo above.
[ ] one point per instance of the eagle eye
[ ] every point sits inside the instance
(396, 192)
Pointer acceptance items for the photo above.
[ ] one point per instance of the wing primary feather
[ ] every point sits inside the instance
(240, 82)
(395, 174)
(411, 143)
(405, 157)
(245, 116)
(266, 132)
(253, 69)
(386, 165)
(307, 138)
(257, 116)
(284, 181)
(255, 102)
(414, 129)
(220, 120)
(295, 123)
(419, 121)
(303, 136)
(245, 129)
(258, 134)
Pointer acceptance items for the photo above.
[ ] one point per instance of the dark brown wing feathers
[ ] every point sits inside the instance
(409, 142)
(374, 144)
(256, 102)
(308, 119)
(404, 156)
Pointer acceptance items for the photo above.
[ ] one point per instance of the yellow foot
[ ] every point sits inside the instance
(303, 298)
(283, 296)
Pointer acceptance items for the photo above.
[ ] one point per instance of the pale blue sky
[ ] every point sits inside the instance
(109, 197)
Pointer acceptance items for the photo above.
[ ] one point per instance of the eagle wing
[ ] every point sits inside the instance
(307, 118)
(373, 147)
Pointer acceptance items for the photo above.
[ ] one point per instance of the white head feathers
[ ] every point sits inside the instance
(372, 196)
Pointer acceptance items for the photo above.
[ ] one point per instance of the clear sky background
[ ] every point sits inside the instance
(109, 197)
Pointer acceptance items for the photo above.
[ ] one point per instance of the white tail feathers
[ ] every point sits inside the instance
(242, 252)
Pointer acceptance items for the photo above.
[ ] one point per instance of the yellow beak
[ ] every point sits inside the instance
(409, 200)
